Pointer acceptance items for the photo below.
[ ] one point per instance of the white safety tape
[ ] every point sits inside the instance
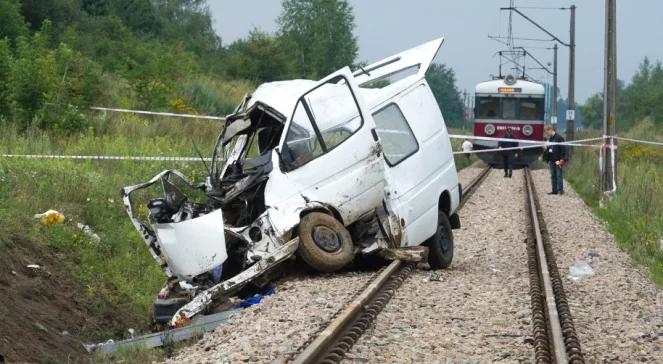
(614, 171)
(143, 112)
(105, 157)
(638, 141)
(539, 145)
(526, 141)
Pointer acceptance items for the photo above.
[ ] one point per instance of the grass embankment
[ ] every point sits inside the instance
(119, 266)
(461, 160)
(634, 214)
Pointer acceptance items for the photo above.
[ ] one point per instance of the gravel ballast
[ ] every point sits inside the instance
(479, 309)
(278, 325)
(479, 312)
(618, 312)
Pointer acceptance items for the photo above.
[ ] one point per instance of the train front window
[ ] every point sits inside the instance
(509, 108)
(488, 107)
(531, 109)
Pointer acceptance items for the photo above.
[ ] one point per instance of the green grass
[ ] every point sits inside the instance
(634, 214)
(461, 160)
(118, 267)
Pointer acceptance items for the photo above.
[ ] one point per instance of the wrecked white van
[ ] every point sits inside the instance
(356, 163)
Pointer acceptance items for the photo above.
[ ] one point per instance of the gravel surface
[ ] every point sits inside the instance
(479, 312)
(618, 312)
(279, 324)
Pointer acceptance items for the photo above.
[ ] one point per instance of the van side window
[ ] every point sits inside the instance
(395, 134)
(335, 112)
(324, 118)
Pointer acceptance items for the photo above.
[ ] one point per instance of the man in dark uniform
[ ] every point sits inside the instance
(507, 155)
(556, 156)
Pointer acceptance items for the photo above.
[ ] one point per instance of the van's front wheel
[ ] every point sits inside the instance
(324, 243)
(441, 245)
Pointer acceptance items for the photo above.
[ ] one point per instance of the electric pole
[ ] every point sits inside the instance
(610, 96)
(553, 117)
(571, 112)
(465, 111)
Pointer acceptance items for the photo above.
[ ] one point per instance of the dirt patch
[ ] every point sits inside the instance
(45, 313)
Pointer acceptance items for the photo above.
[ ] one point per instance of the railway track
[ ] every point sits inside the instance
(333, 342)
(554, 334)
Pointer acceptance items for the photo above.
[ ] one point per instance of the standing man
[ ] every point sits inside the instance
(556, 157)
(467, 147)
(507, 155)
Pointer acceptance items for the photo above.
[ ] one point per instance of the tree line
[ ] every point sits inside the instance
(59, 57)
(639, 100)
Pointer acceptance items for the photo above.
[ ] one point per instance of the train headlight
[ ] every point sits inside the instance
(528, 130)
(489, 129)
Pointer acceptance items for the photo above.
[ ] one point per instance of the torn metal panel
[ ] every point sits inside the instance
(206, 247)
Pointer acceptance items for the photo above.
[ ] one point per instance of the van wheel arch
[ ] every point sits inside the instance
(444, 202)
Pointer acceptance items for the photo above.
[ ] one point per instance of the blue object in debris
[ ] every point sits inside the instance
(256, 298)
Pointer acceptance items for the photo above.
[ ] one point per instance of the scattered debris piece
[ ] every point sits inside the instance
(89, 232)
(131, 332)
(579, 270)
(50, 217)
(41, 327)
(201, 323)
(433, 277)
(256, 298)
(37, 270)
(13, 272)
(65, 333)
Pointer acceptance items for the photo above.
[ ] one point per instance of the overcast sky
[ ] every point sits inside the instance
(385, 27)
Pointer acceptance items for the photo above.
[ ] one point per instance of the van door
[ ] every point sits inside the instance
(329, 152)
(420, 161)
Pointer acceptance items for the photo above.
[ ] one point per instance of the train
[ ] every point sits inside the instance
(509, 102)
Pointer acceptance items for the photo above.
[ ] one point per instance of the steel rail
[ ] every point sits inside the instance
(473, 186)
(556, 336)
(339, 336)
(320, 346)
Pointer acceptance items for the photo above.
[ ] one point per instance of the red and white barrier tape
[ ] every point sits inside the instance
(104, 157)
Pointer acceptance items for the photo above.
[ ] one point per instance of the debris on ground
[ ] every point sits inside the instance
(50, 217)
(579, 270)
(256, 298)
(433, 277)
(36, 270)
(89, 232)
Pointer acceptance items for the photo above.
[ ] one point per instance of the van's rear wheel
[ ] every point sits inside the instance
(324, 243)
(441, 245)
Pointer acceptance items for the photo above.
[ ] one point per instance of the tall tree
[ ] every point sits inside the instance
(260, 58)
(442, 81)
(12, 23)
(321, 35)
(592, 111)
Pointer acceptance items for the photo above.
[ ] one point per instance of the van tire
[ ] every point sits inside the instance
(441, 244)
(324, 243)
